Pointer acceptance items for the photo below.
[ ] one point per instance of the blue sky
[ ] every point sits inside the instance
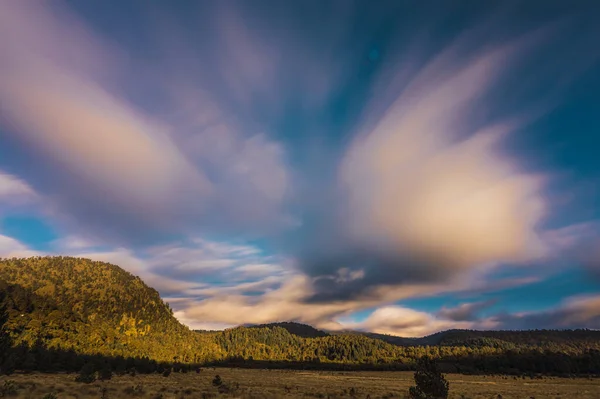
(397, 167)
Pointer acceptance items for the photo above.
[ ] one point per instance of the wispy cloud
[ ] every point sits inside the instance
(574, 312)
(14, 190)
(368, 160)
(11, 248)
(115, 168)
(426, 193)
(400, 321)
(465, 311)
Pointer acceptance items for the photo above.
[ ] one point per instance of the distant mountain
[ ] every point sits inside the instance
(501, 339)
(391, 339)
(97, 308)
(301, 330)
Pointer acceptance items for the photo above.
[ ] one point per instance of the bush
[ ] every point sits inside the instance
(87, 374)
(135, 390)
(430, 383)
(9, 388)
(229, 389)
(167, 372)
(217, 381)
(105, 372)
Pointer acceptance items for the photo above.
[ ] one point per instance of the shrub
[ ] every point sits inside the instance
(87, 374)
(217, 381)
(105, 372)
(134, 390)
(430, 383)
(9, 388)
(229, 389)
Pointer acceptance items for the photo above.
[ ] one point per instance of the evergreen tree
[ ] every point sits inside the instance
(87, 374)
(430, 383)
(105, 372)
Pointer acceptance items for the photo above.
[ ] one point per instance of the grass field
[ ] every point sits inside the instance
(289, 384)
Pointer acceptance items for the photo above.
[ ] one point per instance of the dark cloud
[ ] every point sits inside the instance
(578, 244)
(465, 311)
(354, 273)
(391, 160)
(582, 312)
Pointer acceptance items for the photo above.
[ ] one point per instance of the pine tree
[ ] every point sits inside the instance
(87, 374)
(430, 383)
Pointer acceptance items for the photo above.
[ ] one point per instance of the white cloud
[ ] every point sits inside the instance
(582, 311)
(9, 248)
(109, 165)
(14, 190)
(429, 179)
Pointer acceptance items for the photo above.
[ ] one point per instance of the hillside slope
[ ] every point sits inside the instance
(97, 308)
(301, 330)
(91, 307)
(571, 340)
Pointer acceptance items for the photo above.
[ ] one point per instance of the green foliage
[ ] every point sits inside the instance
(301, 330)
(61, 313)
(430, 383)
(92, 307)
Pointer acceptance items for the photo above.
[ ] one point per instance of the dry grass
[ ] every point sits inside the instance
(293, 384)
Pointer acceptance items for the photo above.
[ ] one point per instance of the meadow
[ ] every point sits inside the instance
(243, 383)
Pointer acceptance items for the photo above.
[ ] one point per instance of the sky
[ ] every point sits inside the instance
(389, 166)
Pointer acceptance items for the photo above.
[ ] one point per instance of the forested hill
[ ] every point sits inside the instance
(90, 307)
(86, 307)
(301, 330)
(504, 338)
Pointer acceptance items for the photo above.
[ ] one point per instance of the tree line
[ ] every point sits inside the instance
(62, 313)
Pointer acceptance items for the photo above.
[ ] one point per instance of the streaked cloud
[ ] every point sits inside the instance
(115, 167)
(269, 163)
(574, 312)
(14, 189)
(465, 311)
(399, 321)
(426, 193)
(11, 248)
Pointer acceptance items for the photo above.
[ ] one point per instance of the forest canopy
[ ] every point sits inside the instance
(85, 307)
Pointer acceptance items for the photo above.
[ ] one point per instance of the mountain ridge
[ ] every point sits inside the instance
(445, 337)
(93, 308)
